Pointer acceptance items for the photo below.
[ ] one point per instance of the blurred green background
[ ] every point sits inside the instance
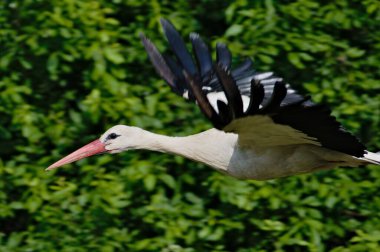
(70, 69)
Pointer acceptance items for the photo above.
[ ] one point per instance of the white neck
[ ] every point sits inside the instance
(211, 147)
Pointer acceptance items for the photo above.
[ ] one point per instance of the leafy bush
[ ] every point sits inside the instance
(69, 69)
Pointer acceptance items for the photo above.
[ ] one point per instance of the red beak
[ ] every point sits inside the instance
(95, 147)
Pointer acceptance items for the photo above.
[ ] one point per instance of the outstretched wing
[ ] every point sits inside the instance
(236, 100)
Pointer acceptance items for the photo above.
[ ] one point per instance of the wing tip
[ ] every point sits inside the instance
(167, 27)
(194, 36)
(164, 22)
(142, 36)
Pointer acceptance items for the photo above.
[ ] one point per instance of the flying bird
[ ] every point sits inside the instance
(263, 129)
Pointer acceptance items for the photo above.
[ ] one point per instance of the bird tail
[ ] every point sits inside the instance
(371, 157)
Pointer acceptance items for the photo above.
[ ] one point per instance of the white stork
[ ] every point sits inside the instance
(262, 129)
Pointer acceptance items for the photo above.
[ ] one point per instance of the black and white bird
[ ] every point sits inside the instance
(263, 129)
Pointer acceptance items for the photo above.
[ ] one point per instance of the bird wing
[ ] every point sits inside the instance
(260, 107)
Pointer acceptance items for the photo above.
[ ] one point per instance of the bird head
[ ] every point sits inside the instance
(117, 139)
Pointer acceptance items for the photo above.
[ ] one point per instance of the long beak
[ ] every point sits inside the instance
(95, 147)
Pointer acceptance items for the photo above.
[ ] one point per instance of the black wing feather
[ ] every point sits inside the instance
(179, 48)
(202, 54)
(257, 97)
(225, 112)
(159, 63)
(245, 67)
(317, 121)
(203, 102)
(273, 104)
(177, 71)
(223, 55)
(230, 89)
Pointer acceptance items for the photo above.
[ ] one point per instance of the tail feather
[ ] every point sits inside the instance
(371, 157)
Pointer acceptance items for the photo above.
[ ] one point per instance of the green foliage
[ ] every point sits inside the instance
(69, 69)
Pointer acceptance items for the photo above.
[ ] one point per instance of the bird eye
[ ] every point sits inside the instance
(112, 136)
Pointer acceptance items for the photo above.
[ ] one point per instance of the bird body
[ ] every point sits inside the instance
(227, 154)
(263, 129)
